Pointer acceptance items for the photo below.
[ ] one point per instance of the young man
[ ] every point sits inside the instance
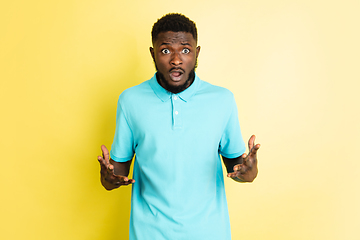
(177, 126)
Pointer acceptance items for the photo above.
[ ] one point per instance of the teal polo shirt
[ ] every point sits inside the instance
(177, 140)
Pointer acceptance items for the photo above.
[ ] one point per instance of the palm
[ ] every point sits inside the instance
(247, 170)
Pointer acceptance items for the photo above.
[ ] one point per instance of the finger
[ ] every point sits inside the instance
(232, 175)
(110, 169)
(102, 162)
(100, 159)
(245, 159)
(124, 183)
(105, 153)
(239, 169)
(254, 150)
(251, 142)
(121, 180)
(237, 173)
(129, 181)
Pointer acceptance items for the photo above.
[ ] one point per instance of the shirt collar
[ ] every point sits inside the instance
(165, 95)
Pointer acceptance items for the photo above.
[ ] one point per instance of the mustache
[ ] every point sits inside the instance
(176, 68)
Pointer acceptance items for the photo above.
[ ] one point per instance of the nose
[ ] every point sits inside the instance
(175, 59)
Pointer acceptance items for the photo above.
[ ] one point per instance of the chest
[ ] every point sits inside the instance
(177, 117)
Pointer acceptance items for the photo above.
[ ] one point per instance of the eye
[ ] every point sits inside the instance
(186, 50)
(165, 51)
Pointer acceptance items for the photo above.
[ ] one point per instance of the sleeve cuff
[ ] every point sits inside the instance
(233, 155)
(118, 159)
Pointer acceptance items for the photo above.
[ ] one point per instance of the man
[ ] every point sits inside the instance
(177, 126)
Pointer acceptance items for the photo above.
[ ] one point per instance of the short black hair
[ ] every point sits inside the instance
(174, 22)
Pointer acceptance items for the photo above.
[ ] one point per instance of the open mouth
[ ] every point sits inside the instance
(176, 75)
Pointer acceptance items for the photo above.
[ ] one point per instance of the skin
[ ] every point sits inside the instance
(113, 174)
(244, 168)
(175, 55)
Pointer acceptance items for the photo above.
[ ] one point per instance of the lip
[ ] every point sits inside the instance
(176, 74)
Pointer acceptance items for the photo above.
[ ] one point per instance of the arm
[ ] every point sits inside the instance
(243, 168)
(113, 174)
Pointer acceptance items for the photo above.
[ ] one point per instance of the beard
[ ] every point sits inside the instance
(175, 89)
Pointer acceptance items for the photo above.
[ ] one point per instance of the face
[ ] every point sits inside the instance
(175, 55)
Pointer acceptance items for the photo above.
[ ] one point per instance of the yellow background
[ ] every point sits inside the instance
(292, 65)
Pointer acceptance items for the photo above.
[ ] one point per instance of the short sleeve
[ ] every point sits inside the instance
(122, 148)
(232, 144)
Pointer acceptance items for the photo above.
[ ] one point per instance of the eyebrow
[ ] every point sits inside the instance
(167, 43)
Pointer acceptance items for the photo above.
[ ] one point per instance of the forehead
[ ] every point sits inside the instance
(174, 38)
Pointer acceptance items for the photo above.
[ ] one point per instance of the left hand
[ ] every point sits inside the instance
(247, 170)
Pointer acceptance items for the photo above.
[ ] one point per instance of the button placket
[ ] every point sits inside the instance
(176, 112)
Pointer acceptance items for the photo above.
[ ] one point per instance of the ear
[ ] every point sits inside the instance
(197, 51)
(152, 53)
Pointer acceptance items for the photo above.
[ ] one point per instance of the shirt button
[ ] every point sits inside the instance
(175, 98)
(176, 112)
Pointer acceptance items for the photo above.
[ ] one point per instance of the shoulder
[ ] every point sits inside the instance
(215, 91)
(135, 93)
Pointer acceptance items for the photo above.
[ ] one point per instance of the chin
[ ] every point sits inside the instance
(176, 88)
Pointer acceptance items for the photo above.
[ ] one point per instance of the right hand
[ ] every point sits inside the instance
(107, 171)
